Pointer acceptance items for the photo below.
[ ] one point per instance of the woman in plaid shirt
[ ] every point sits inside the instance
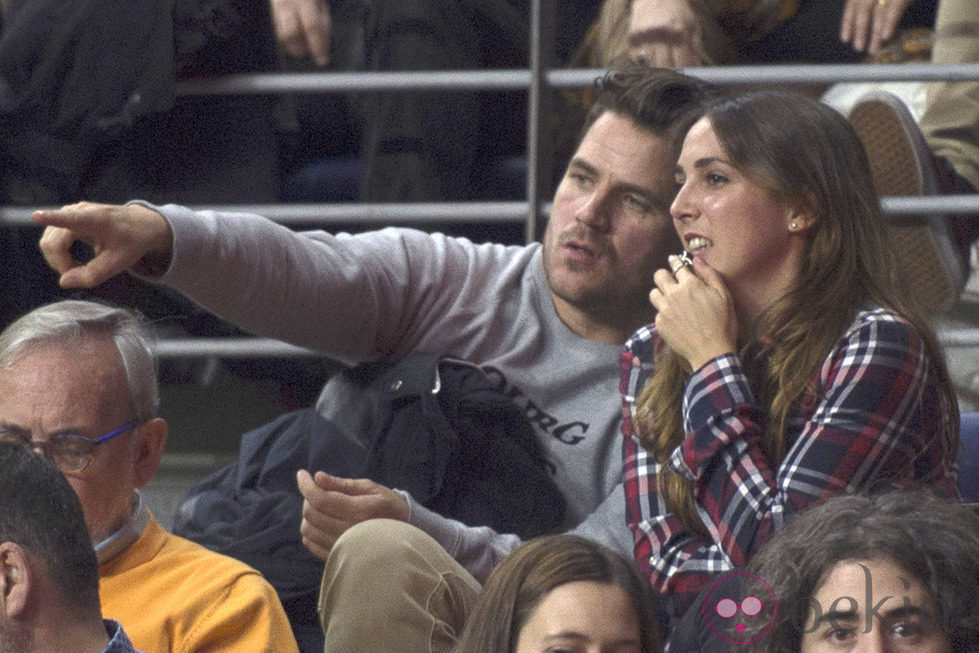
(785, 364)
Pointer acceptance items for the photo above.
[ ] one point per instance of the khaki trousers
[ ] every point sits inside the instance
(390, 588)
(951, 119)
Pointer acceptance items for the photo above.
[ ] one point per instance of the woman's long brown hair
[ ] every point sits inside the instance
(808, 156)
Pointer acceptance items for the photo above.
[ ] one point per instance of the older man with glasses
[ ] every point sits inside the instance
(78, 385)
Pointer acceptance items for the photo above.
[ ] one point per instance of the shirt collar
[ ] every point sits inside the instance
(131, 531)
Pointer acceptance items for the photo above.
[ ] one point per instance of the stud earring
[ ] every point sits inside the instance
(793, 226)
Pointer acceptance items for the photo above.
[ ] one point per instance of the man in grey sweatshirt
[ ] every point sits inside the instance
(548, 319)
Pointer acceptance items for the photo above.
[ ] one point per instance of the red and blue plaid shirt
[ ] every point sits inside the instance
(879, 418)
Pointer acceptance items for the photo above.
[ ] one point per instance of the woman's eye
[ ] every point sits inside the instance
(714, 179)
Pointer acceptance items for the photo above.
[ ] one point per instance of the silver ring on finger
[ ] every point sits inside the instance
(683, 261)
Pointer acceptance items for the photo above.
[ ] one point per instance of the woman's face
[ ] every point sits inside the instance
(872, 605)
(582, 617)
(739, 228)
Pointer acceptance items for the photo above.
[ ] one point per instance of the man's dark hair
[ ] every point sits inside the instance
(659, 100)
(41, 512)
(934, 539)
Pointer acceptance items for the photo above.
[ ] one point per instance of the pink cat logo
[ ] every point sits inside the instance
(734, 614)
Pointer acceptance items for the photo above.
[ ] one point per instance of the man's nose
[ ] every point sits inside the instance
(874, 641)
(594, 211)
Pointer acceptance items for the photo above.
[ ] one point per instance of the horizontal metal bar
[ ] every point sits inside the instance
(249, 347)
(447, 212)
(376, 214)
(520, 79)
(959, 337)
(229, 347)
(472, 212)
(267, 83)
(798, 73)
(948, 204)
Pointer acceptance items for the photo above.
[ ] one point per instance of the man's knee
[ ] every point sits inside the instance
(380, 544)
(385, 571)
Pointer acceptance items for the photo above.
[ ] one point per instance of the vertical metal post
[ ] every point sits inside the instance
(540, 104)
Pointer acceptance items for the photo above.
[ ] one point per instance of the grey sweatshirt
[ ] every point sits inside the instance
(382, 294)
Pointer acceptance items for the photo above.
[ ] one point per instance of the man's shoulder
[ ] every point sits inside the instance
(181, 552)
(173, 594)
(159, 555)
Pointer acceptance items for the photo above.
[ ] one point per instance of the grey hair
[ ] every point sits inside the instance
(76, 321)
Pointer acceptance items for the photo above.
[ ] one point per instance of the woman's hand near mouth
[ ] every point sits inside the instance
(694, 312)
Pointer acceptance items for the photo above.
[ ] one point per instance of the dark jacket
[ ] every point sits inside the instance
(435, 427)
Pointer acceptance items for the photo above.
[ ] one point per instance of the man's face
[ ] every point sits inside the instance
(79, 390)
(610, 227)
(873, 606)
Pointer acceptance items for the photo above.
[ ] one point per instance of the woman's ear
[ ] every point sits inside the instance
(15, 579)
(802, 216)
(799, 221)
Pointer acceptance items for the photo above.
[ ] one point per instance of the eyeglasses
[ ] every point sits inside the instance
(70, 452)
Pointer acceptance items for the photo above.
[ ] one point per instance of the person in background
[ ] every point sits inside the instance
(689, 33)
(563, 592)
(424, 145)
(78, 383)
(894, 572)
(932, 154)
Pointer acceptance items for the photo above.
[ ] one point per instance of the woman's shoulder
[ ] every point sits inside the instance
(876, 326)
(873, 315)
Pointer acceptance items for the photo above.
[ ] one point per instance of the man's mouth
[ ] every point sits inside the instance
(581, 247)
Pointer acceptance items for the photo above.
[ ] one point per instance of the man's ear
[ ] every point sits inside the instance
(15, 579)
(152, 442)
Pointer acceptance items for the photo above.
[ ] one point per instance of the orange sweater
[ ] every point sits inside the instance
(171, 594)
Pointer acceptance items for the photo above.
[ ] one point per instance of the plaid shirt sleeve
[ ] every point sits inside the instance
(876, 417)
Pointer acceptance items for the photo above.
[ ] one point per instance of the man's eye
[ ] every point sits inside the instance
(6, 435)
(840, 634)
(906, 629)
(636, 203)
(715, 179)
(70, 444)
